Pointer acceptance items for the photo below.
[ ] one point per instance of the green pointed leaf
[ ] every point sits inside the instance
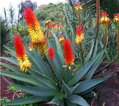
(25, 100)
(40, 64)
(58, 47)
(94, 67)
(10, 51)
(78, 100)
(56, 66)
(43, 79)
(21, 77)
(90, 53)
(67, 89)
(91, 94)
(38, 91)
(84, 70)
(96, 49)
(55, 102)
(10, 67)
(9, 59)
(88, 84)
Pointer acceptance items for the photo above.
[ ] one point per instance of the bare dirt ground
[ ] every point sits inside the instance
(4, 92)
(108, 92)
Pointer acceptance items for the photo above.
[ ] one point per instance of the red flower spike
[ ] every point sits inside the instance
(52, 25)
(51, 53)
(19, 47)
(117, 15)
(104, 14)
(61, 36)
(29, 16)
(79, 30)
(78, 4)
(68, 52)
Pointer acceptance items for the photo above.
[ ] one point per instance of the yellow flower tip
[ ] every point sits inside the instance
(104, 20)
(67, 66)
(47, 23)
(116, 18)
(24, 63)
(30, 47)
(79, 39)
(78, 7)
(61, 39)
(41, 47)
(39, 44)
(37, 37)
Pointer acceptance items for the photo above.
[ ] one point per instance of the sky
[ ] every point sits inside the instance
(14, 3)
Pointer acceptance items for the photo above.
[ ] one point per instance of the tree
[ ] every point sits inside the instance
(26, 4)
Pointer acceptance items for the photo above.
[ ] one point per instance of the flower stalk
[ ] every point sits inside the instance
(116, 20)
(79, 39)
(105, 21)
(105, 37)
(97, 23)
(68, 53)
(22, 57)
(97, 15)
(38, 40)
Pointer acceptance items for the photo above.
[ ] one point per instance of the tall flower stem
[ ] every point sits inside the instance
(81, 49)
(79, 19)
(105, 36)
(97, 14)
(97, 23)
(117, 40)
(81, 46)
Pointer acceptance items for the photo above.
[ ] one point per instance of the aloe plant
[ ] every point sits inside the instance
(56, 78)
(50, 82)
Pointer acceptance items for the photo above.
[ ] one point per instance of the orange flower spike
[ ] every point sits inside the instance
(104, 14)
(68, 53)
(38, 39)
(78, 7)
(79, 30)
(104, 20)
(22, 57)
(61, 39)
(116, 18)
(51, 53)
(79, 35)
(51, 25)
